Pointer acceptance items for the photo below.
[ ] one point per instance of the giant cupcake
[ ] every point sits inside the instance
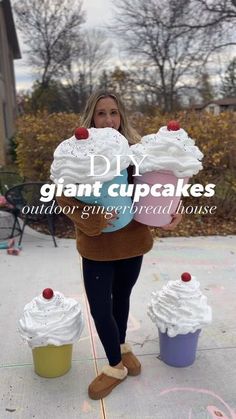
(180, 311)
(72, 162)
(51, 323)
(170, 155)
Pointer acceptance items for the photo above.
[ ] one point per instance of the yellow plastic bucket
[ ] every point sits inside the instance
(52, 361)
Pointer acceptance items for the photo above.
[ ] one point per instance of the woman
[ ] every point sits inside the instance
(111, 261)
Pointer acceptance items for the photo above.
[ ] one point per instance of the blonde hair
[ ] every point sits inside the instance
(125, 127)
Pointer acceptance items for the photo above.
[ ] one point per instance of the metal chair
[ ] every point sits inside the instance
(7, 181)
(25, 198)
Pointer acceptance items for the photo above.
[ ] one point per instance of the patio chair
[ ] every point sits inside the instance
(28, 195)
(7, 181)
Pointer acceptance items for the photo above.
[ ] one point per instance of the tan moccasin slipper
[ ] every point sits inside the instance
(104, 383)
(130, 360)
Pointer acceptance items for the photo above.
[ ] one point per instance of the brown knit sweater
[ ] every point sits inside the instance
(135, 239)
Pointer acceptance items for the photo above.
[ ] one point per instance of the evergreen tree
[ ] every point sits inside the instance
(205, 88)
(229, 81)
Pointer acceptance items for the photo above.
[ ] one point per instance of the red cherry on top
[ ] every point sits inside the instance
(173, 126)
(48, 293)
(186, 277)
(81, 133)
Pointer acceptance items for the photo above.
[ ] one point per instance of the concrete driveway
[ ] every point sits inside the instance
(207, 389)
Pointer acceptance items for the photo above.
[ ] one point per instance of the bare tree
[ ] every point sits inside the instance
(170, 51)
(51, 29)
(95, 52)
(213, 16)
(83, 73)
(212, 12)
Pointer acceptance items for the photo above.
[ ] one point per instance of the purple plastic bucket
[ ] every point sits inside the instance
(179, 351)
(168, 204)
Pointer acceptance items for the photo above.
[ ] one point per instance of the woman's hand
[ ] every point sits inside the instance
(176, 218)
(108, 222)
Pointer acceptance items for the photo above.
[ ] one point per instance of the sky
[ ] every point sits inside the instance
(98, 12)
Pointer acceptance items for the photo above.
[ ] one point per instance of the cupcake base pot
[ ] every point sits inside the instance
(178, 351)
(166, 204)
(52, 361)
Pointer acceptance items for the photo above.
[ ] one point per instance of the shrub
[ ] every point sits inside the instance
(37, 137)
(216, 138)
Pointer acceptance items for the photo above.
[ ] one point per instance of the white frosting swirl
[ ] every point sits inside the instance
(72, 157)
(179, 308)
(56, 321)
(168, 150)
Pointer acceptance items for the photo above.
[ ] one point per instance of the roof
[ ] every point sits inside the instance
(225, 101)
(198, 106)
(221, 102)
(10, 26)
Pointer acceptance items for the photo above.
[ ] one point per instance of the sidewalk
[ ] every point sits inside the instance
(204, 390)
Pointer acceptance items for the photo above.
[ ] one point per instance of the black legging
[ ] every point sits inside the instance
(108, 287)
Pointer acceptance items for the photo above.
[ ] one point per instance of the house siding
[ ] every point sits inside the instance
(8, 107)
